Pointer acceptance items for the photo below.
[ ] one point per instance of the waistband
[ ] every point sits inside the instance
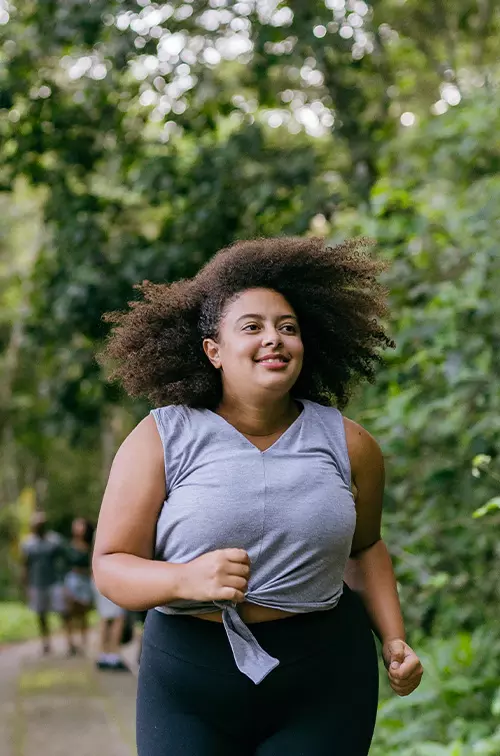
(256, 651)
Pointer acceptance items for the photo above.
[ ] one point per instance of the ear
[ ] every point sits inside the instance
(211, 349)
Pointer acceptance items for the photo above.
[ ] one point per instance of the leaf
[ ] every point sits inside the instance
(495, 706)
(481, 459)
(491, 506)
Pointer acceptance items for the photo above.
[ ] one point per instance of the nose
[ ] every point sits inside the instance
(272, 338)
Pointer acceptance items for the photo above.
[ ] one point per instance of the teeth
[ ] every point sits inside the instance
(274, 359)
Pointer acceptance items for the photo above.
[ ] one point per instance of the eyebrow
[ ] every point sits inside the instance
(256, 316)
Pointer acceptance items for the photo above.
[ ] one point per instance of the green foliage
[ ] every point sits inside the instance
(18, 623)
(435, 406)
(480, 464)
(435, 409)
(493, 505)
(456, 704)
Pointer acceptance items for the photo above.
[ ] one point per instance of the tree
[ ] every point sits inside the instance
(436, 404)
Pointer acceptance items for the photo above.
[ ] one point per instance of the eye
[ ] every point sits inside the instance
(252, 327)
(289, 327)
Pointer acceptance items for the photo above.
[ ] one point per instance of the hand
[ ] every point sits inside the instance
(217, 576)
(403, 667)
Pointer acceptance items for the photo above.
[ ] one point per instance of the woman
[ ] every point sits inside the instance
(78, 583)
(234, 507)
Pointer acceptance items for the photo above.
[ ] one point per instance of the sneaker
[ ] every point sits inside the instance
(119, 666)
(102, 664)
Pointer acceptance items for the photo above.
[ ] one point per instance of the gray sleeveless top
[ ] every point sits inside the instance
(290, 507)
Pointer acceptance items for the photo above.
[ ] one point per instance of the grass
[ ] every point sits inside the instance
(19, 623)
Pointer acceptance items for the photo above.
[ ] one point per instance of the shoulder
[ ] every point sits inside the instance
(55, 541)
(163, 431)
(54, 538)
(178, 424)
(330, 417)
(173, 417)
(27, 544)
(141, 449)
(364, 451)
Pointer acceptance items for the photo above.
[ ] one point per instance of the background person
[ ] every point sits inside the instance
(235, 506)
(111, 626)
(77, 583)
(42, 553)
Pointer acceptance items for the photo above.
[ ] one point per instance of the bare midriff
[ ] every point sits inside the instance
(249, 613)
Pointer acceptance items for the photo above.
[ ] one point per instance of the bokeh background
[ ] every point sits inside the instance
(138, 137)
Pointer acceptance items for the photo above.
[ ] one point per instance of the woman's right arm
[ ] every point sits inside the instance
(123, 565)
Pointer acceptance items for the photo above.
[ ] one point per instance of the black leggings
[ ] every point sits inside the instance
(320, 701)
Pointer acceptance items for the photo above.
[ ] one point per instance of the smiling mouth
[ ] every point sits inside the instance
(270, 358)
(273, 360)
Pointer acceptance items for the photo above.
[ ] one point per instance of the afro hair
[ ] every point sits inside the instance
(155, 347)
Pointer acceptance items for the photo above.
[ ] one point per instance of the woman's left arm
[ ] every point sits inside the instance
(369, 571)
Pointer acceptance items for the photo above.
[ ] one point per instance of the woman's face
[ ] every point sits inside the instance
(79, 527)
(259, 349)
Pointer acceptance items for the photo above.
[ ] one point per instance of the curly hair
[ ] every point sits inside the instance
(156, 345)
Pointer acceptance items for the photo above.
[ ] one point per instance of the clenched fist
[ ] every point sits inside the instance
(220, 575)
(403, 666)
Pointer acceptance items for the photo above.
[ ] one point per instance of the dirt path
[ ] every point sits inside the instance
(55, 706)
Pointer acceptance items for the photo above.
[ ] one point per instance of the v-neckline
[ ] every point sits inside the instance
(247, 441)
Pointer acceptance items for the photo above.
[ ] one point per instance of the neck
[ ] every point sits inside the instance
(258, 418)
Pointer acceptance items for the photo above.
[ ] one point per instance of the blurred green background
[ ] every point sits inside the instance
(137, 138)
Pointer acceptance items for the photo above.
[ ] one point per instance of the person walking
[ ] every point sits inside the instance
(111, 626)
(42, 555)
(77, 582)
(245, 505)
